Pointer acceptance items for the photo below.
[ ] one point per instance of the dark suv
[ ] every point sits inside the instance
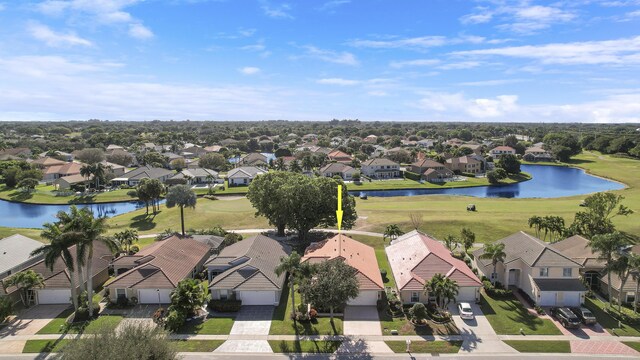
(585, 315)
(566, 317)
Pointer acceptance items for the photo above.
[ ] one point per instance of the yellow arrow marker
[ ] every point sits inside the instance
(339, 211)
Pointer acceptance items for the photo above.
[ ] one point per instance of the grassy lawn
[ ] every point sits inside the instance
(58, 326)
(383, 263)
(421, 347)
(211, 326)
(304, 346)
(405, 327)
(44, 346)
(412, 184)
(540, 346)
(282, 324)
(633, 344)
(30, 233)
(45, 194)
(196, 345)
(608, 322)
(507, 316)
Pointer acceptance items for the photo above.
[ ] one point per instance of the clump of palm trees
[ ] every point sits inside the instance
(71, 240)
(549, 225)
(97, 170)
(442, 288)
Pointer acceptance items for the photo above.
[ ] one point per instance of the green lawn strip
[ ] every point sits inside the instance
(44, 346)
(196, 345)
(305, 346)
(30, 233)
(210, 326)
(282, 324)
(540, 346)
(507, 316)
(633, 344)
(45, 194)
(608, 322)
(383, 263)
(58, 324)
(433, 347)
(412, 184)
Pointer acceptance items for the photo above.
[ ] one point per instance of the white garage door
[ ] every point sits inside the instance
(258, 297)
(365, 298)
(150, 296)
(467, 293)
(547, 298)
(571, 298)
(54, 296)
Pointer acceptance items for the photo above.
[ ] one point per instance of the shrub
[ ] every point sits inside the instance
(174, 320)
(158, 316)
(467, 261)
(412, 176)
(122, 302)
(539, 310)
(383, 272)
(418, 312)
(381, 304)
(132, 193)
(6, 308)
(475, 271)
(134, 248)
(225, 305)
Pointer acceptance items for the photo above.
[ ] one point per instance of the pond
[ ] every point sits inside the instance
(546, 182)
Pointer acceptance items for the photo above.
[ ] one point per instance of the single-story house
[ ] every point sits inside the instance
(380, 168)
(358, 256)
(437, 175)
(577, 248)
(476, 148)
(154, 272)
(254, 159)
(547, 275)
(196, 176)
(244, 175)
(133, 177)
(246, 271)
(114, 169)
(67, 182)
(370, 139)
(344, 171)
(415, 258)
(193, 152)
(47, 161)
(498, 151)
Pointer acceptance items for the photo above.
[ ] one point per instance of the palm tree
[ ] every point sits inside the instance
(290, 264)
(535, 222)
(634, 265)
(125, 239)
(209, 180)
(495, 253)
(307, 162)
(181, 196)
(25, 281)
(280, 165)
(295, 166)
(442, 288)
(392, 232)
(99, 170)
(86, 171)
(58, 249)
(607, 246)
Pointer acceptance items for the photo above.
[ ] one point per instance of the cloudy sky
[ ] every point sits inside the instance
(431, 60)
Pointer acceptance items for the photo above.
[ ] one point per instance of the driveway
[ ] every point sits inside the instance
(583, 332)
(250, 321)
(478, 334)
(27, 322)
(140, 314)
(361, 320)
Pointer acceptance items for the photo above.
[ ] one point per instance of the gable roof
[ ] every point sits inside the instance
(195, 172)
(337, 154)
(47, 161)
(531, 250)
(71, 168)
(336, 168)
(245, 171)
(262, 255)
(503, 148)
(163, 264)
(146, 172)
(577, 248)
(380, 162)
(15, 250)
(359, 256)
(427, 163)
(415, 257)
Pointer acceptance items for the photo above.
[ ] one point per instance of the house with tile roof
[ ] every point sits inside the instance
(380, 168)
(416, 257)
(338, 169)
(246, 271)
(54, 172)
(546, 274)
(15, 256)
(194, 176)
(577, 248)
(47, 161)
(537, 153)
(629, 289)
(499, 151)
(133, 177)
(464, 164)
(339, 156)
(244, 175)
(254, 159)
(153, 273)
(357, 255)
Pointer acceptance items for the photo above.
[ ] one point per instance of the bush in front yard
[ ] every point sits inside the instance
(174, 320)
(225, 305)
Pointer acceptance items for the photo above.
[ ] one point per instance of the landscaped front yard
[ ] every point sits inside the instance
(608, 322)
(210, 326)
(434, 347)
(59, 326)
(507, 316)
(282, 324)
(304, 346)
(542, 346)
(405, 327)
(44, 346)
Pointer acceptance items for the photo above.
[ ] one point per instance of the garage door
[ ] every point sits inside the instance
(467, 293)
(547, 298)
(571, 298)
(54, 296)
(365, 298)
(258, 297)
(152, 296)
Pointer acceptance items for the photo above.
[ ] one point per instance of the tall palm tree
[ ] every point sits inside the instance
(290, 264)
(634, 265)
(443, 288)
(392, 232)
(71, 226)
(209, 180)
(99, 171)
(125, 239)
(181, 196)
(58, 249)
(495, 253)
(86, 171)
(24, 281)
(535, 222)
(607, 246)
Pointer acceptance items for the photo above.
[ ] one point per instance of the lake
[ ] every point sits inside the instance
(546, 182)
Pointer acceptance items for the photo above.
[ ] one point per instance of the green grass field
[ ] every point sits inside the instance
(304, 346)
(412, 184)
(213, 326)
(633, 344)
(421, 347)
(196, 345)
(57, 325)
(44, 346)
(44, 194)
(540, 346)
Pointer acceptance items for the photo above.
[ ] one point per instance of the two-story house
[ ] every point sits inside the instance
(547, 275)
(498, 151)
(464, 164)
(380, 168)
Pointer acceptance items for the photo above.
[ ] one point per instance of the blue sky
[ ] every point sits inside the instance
(404, 60)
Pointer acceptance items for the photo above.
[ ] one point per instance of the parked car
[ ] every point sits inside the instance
(585, 315)
(465, 311)
(566, 317)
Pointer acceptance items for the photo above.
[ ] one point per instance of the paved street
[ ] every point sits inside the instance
(28, 322)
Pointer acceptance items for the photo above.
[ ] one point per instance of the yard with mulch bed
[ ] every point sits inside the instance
(282, 324)
(421, 347)
(405, 327)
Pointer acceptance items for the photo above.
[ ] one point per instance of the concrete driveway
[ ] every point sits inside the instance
(140, 314)
(250, 321)
(361, 320)
(478, 334)
(27, 322)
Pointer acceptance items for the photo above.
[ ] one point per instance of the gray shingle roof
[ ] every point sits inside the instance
(146, 172)
(380, 162)
(577, 248)
(15, 250)
(245, 171)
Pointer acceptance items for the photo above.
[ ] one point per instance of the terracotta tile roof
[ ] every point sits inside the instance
(338, 155)
(503, 148)
(47, 161)
(359, 256)
(71, 168)
(170, 261)
(415, 257)
(427, 163)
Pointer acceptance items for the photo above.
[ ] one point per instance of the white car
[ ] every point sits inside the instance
(465, 311)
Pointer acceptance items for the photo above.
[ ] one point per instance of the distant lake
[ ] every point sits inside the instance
(546, 182)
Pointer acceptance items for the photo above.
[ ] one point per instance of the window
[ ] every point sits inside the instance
(415, 296)
(121, 293)
(566, 272)
(631, 297)
(224, 295)
(544, 272)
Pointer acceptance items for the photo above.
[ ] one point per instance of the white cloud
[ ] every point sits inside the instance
(456, 104)
(418, 62)
(460, 65)
(281, 11)
(520, 17)
(616, 52)
(331, 5)
(492, 82)
(54, 39)
(249, 70)
(338, 81)
(422, 42)
(140, 32)
(343, 58)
